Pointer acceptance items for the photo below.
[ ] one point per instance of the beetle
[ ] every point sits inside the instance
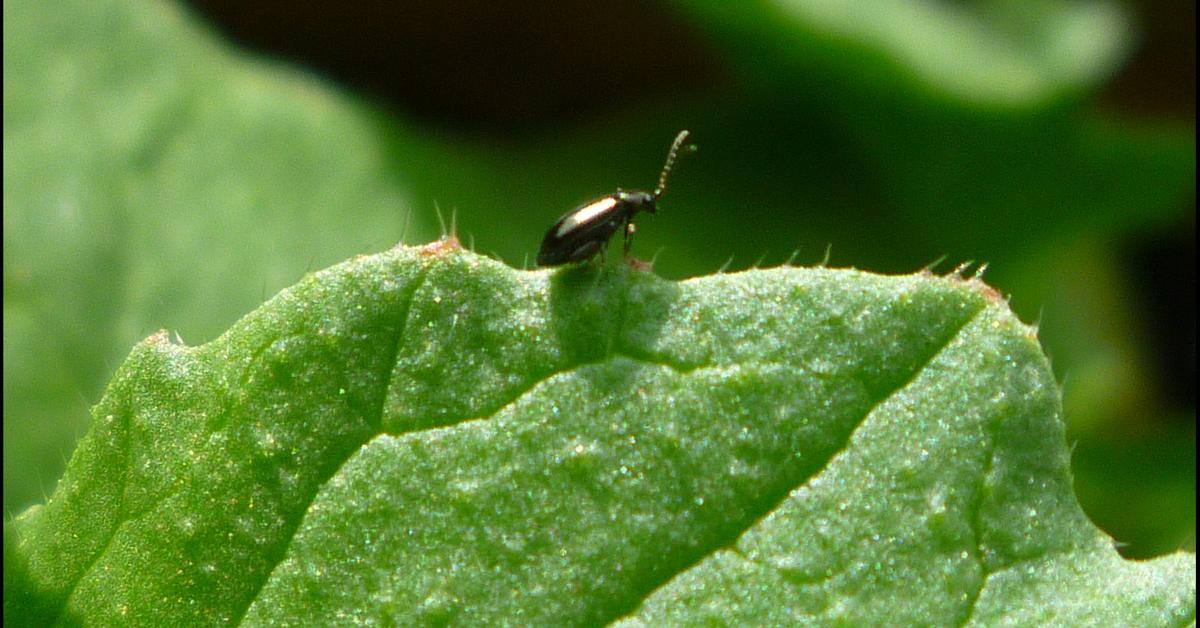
(584, 231)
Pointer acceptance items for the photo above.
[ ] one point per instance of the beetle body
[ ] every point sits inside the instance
(584, 232)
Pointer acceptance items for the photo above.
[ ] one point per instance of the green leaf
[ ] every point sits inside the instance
(157, 179)
(427, 436)
(160, 176)
(990, 54)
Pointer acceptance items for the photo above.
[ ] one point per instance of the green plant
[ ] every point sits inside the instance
(427, 436)
(156, 177)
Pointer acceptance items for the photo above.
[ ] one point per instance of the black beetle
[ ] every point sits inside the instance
(584, 231)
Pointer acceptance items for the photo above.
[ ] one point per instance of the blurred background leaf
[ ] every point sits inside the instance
(170, 166)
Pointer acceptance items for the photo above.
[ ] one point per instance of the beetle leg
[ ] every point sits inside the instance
(630, 229)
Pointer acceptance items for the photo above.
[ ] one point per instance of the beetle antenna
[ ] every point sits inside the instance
(671, 155)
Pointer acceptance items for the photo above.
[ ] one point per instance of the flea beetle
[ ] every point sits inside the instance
(583, 232)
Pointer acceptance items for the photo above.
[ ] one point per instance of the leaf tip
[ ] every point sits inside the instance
(974, 280)
(993, 295)
(444, 245)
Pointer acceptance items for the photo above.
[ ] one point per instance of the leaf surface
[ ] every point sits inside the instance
(428, 436)
(154, 164)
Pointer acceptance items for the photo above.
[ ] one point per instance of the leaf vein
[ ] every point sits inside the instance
(976, 522)
(775, 501)
(291, 535)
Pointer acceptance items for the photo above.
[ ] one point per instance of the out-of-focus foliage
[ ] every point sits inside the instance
(155, 177)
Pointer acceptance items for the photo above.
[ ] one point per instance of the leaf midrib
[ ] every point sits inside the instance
(774, 502)
(769, 503)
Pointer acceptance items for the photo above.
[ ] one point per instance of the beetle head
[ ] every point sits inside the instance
(638, 201)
